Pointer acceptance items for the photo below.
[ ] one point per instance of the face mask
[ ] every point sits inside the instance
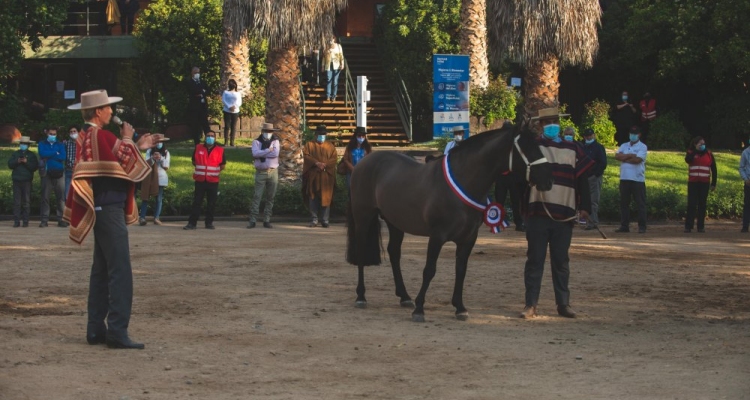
(210, 140)
(52, 139)
(624, 98)
(159, 145)
(702, 147)
(267, 135)
(568, 138)
(552, 131)
(360, 140)
(633, 137)
(196, 76)
(458, 138)
(24, 147)
(589, 141)
(321, 138)
(74, 136)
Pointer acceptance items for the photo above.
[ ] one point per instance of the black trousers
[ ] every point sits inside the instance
(230, 127)
(505, 184)
(636, 191)
(198, 122)
(21, 201)
(211, 192)
(111, 282)
(542, 232)
(696, 205)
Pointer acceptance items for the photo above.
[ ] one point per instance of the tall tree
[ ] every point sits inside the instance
(542, 36)
(473, 40)
(286, 25)
(235, 51)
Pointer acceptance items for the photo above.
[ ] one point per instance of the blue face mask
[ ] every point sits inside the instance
(360, 140)
(159, 145)
(552, 131)
(589, 141)
(633, 137)
(568, 138)
(702, 147)
(52, 139)
(210, 140)
(624, 98)
(24, 147)
(321, 138)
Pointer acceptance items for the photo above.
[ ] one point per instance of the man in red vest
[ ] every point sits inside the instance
(648, 113)
(208, 160)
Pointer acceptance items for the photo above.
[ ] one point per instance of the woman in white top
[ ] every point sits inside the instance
(232, 100)
(333, 64)
(158, 157)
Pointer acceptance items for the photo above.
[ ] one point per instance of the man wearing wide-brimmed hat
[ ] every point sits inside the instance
(102, 197)
(458, 136)
(266, 161)
(23, 162)
(319, 176)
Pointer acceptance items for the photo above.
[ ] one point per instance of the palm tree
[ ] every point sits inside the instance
(235, 52)
(541, 35)
(286, 25)
(473, 41)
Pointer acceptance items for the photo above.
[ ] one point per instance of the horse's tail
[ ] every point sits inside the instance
(372, 248)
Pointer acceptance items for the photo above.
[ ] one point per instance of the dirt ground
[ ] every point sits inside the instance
(269, 314)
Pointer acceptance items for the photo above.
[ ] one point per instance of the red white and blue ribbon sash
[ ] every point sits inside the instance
(494, 213)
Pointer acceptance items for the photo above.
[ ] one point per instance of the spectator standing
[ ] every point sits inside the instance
(52, 153)
(266, 162)
(701, 178)
(70, 156)
(128, 9)
(595, 151)
(745, 175)
(158, 158)
(648, 114)
(197, 105)
(458, 136)
(624, 118)
(319, 176)
(333, 64)
(23, 162)
(231, 99)
(209, 161)
(102, 198)
(632, 158)
(357, 148)
(550, 216)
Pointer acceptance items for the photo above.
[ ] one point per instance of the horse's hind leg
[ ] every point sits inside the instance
(433, 251)
(463, 251)
(361, 301)
(395, 238)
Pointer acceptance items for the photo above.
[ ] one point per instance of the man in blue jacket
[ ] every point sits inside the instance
(595, 151)
(52, 156)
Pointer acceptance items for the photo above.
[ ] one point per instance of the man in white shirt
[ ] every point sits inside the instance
(632, 157)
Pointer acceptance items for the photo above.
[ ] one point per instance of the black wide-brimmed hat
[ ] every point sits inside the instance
(321, 130)
(360, 131)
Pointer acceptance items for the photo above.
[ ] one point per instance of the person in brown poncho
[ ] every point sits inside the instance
(319, 176)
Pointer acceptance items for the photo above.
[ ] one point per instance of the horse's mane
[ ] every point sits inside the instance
(480, 140)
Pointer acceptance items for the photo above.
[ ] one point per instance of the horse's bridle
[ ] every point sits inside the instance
(525, 160)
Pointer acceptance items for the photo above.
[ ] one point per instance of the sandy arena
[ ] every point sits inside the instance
(269, 314)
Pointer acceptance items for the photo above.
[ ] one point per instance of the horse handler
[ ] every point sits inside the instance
(550, 216)
(102, 197)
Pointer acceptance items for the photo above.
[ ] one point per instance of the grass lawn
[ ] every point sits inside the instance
(666, 178)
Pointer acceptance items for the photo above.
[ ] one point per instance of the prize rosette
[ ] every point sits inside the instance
(494, 217)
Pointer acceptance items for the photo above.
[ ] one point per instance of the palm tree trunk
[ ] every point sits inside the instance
(235, 54)
(473, 41)
(542, 85)
(283, 109)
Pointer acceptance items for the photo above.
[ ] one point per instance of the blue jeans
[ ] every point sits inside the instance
(332, 85)
(159, 198)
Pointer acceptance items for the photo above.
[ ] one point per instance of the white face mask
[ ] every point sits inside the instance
(458, 138)
(74, 136)
(267, 135)
(196, 76)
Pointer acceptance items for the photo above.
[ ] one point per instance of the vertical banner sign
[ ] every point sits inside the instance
(450, 96)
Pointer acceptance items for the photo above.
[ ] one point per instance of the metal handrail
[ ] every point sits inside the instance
(350, 99)
(398, 88)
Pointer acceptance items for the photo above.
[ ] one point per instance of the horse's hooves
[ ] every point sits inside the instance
(407, 303)
(360, 304)
(462, 316)
(417, 317)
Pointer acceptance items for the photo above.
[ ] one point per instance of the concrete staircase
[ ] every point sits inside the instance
(383, 123)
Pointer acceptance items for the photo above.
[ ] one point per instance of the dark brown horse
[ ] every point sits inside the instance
(417, 199)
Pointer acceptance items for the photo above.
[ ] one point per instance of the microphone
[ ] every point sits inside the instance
(117, 120)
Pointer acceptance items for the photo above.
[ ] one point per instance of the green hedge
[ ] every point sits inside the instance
(666, 188)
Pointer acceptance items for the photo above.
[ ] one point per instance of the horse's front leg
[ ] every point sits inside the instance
(395, 239)
(463, 251)
(361, 301)
(433, 251)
